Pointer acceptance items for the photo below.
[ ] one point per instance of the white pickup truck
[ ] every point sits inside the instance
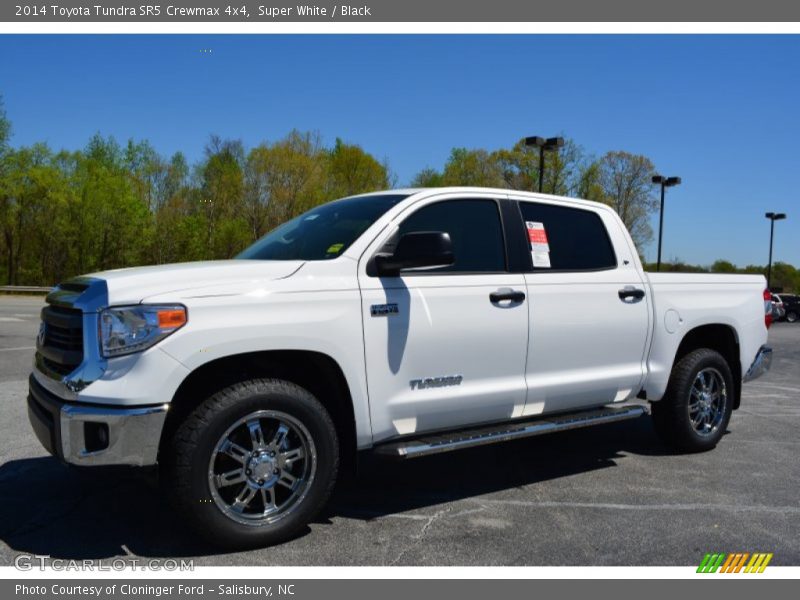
(401, 323)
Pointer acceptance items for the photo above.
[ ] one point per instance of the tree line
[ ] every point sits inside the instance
(108, 205)
(784, 277)
(619, 179)
(111, 205)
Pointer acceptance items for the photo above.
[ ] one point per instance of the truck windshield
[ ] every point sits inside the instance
(323, 232)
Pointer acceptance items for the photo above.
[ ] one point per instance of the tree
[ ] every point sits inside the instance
(5, 129)
(589, 185)
(110, 220)
(18, 197)
(785, 277)
(562, 169)
(6, 203)
(625, 180)
(723, 266)
(353, 171)
(176, 222)
(472, 168)
(519, 166)
(283, 179)
(177, 173)
(428, 177)
(221, 197)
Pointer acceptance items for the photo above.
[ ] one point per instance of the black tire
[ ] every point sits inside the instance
(792, 316)
(187, 466)
(671, 414)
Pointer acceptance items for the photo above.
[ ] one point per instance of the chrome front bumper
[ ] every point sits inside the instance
(91, 435)
(761, 364)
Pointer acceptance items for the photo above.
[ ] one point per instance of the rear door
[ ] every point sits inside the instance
(442, 349)
(589, 315)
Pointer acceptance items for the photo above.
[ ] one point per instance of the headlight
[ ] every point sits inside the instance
(129, 329)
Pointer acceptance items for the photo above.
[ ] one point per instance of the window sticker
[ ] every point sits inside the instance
(541, 259)
(335, 249)
(540, 248)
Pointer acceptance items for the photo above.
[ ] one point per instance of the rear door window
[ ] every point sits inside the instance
(567, 239)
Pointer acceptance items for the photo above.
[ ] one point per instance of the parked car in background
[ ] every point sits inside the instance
(791, 306)
(778, 311)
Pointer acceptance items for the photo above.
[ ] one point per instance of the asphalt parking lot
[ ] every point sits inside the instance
(608, 495)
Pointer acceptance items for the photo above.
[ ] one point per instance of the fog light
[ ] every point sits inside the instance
(95, 436)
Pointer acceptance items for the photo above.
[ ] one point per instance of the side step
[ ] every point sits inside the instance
(503, 432)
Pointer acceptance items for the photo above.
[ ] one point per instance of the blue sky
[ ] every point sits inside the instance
(722, 112)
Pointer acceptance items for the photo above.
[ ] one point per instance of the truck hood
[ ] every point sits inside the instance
(206, 278)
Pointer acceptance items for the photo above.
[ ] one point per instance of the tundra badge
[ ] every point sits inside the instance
(383, 310)
(419, 384)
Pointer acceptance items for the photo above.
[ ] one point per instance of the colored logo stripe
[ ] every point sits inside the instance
(711, 563)
(758, 563)
(726, 568)
(733, 563)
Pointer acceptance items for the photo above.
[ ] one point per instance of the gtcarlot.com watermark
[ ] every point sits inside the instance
(43, 562)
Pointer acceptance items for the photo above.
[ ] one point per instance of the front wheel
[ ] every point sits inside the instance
(792, 316)
(696, 408)
(253, 464)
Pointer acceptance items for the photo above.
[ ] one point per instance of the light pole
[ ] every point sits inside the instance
(665, 182)
(544, 144)
(772, 218)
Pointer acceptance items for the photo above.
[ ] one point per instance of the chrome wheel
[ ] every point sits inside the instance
(708, 399)
(262, 467)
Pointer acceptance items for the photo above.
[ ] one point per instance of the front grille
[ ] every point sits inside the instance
(61, 348)
(55, 367)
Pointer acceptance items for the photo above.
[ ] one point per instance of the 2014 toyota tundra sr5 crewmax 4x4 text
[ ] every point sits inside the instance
(400, 323)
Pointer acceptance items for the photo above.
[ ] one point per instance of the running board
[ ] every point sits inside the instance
(503, 432)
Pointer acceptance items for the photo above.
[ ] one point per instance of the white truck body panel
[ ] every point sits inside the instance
(195, 279)
(317, 309)
(684, 301)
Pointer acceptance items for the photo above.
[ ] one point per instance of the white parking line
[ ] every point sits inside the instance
(19, 348)
(768, 442)
(774, 386)
(736, 508)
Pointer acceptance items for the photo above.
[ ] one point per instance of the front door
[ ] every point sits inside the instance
(446, 347)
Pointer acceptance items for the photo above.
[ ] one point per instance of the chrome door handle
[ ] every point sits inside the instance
(631, 292)
(506, 294)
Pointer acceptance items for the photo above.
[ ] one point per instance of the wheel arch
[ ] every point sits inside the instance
(318, 373)
(722, 338)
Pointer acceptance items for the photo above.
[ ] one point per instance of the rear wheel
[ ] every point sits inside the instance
(697, 406)
(253, 464)
(792, 316)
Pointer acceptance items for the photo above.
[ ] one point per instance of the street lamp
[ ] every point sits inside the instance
(665, 182)
(544, 145)
(772, 218)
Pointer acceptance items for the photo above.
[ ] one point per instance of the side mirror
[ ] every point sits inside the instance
(418, 250)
